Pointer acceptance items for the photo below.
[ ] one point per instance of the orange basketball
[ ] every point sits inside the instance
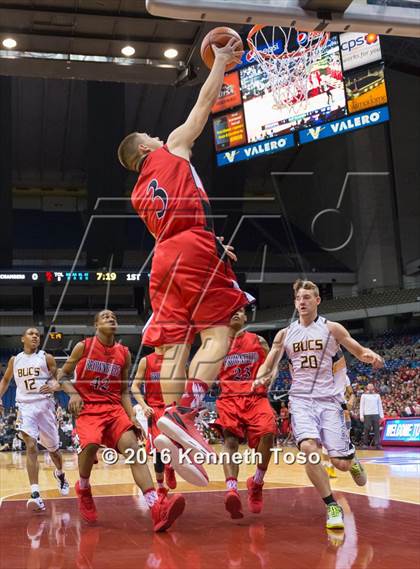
(218, 37)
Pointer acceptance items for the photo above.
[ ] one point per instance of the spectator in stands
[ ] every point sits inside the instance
(284, 416)
(384, 389)
(371, 412)
(9, 432)
(408, 412)
(3, 444)
(17, 443)
(59, 415)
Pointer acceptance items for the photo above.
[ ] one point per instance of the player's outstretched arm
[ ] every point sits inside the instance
(136, 388)
(182, 138)
(4, 383)
(268, 370)
(65, 375)
(365, 355)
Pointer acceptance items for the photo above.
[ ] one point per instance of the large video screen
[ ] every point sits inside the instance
(400, 432)
(345, 83)
(326, 97)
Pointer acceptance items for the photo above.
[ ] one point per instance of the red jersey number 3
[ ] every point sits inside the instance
(158, 194)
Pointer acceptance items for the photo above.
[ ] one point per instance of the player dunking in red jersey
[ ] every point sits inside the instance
(100, 400)
(153, 407)
(243, 413)
(192, 286)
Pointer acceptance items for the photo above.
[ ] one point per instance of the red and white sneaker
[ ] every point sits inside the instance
(233, 504)
(255, 497)
(180, 427)
(170, 477)
(166, 510)
(87, 506)
(185, 468)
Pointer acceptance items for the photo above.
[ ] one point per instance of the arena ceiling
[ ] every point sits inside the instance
(62, 40)
(88, 36)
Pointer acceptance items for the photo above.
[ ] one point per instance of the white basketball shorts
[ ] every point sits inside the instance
(321, 419)
(38, 420)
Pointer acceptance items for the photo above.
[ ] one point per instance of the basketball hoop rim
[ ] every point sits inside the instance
(325, 36)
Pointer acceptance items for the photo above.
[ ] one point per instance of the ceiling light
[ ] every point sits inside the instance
(9, 43)
(170, 53)
(128, 51)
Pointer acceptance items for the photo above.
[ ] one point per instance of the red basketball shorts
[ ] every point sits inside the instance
(191, 289)
(248, 417)
(102, 424)
(153, 428)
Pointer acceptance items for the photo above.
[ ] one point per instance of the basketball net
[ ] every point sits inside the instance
(287, 57)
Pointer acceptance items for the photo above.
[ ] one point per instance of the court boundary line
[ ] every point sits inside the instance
(9, 497)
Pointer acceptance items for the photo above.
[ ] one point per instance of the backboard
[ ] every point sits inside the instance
(387, 17)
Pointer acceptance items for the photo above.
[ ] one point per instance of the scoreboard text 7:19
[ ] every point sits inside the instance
(106, 276)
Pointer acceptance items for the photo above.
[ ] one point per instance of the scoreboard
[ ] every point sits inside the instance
(62, 276)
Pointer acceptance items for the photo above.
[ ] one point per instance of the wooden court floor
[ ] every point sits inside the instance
(392, 474)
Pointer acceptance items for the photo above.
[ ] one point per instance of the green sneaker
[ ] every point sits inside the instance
(358, 473)
(334, 516)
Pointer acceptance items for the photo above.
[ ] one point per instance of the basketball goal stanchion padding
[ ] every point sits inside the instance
(287, 57)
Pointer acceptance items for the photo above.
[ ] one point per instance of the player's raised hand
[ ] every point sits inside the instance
(75, 404)
(371, 357)
(229, 250)
(232, 52)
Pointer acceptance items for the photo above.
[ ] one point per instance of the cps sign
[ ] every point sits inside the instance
(358, 41)
(359, 49)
